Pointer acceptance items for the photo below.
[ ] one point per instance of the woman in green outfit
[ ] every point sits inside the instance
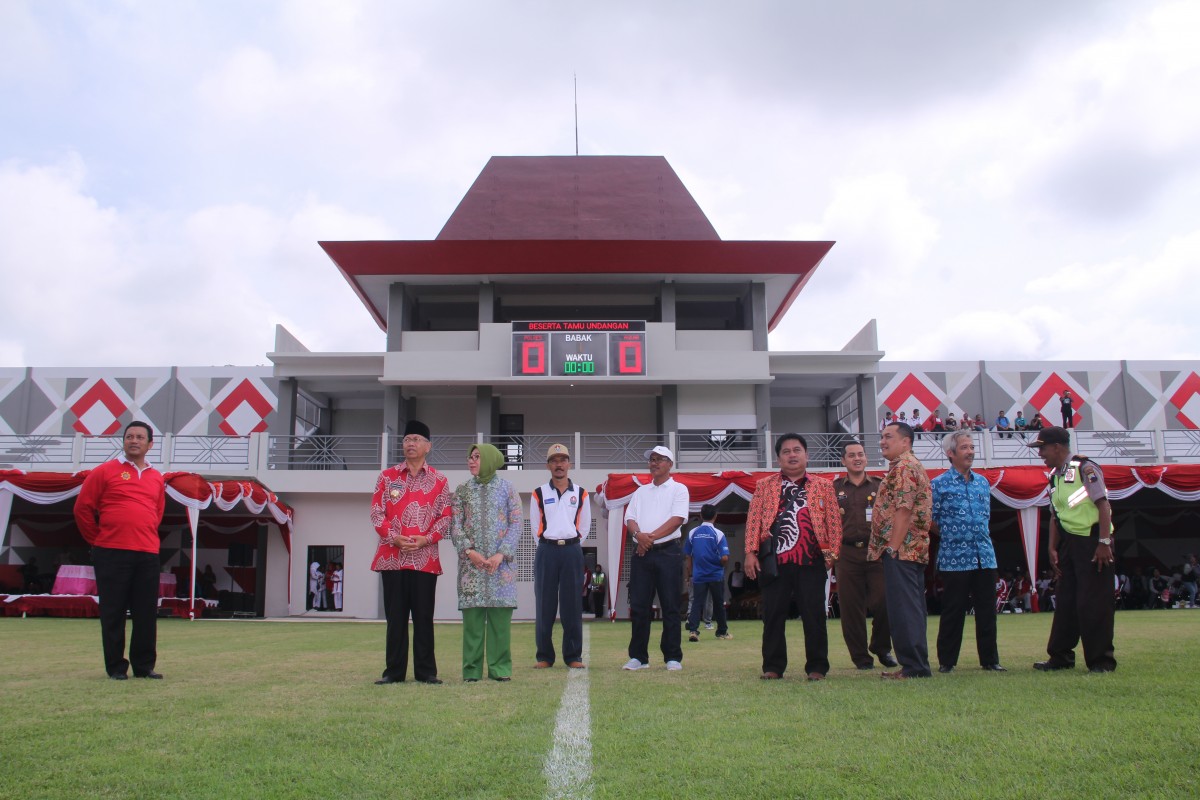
(485, 530)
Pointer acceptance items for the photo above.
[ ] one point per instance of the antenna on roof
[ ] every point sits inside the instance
(575, 78)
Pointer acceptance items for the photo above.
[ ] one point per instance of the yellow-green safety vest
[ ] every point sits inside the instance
(1074, 509)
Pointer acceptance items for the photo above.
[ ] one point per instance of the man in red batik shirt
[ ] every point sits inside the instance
(118, 511)
(411, 512)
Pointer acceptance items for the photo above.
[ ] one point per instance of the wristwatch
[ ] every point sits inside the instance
(1107, 541)
(889, 550)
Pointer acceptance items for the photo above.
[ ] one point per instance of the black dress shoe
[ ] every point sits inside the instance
(435, 681)
(993, 668)
(386, 680)
(151, 674)
(470, 680)
(887, 660)
(1050, 666)
(944, 668)
(1103, 669)
(118, 676)
(864, 666)
(503, 679)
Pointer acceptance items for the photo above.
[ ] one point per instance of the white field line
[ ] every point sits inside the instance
(568, 768)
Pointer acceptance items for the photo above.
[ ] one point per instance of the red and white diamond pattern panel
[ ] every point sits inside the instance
(98, 410)
(245, 408)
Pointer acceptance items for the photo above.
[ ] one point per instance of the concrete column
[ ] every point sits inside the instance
(484, 397)
(397, 316)
(487, 303)
(285, 416)
(758, 315)
(667, 301)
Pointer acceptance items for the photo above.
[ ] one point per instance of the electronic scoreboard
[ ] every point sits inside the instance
(571, 349)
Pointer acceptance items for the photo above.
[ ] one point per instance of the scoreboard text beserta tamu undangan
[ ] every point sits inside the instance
(579, 349)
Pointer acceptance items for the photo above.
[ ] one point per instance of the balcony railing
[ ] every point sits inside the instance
(697, 451)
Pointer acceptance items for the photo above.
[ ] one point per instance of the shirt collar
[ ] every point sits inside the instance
(121, 457)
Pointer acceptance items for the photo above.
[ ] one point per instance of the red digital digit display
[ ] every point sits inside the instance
(533, 358)
(629, 358)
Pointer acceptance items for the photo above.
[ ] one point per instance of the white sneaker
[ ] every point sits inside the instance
(708, 626)
(633, 663)
(674, 666)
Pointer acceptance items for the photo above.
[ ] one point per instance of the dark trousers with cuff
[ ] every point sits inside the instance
(860, 588)
(700, 592)
(127, 581)
(659, 570)
(1083, 606)
(558, 589)
(805, 583)
(405, 592)
(904, 583)
(969, 588)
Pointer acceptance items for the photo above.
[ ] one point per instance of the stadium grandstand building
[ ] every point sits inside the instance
(578, 300)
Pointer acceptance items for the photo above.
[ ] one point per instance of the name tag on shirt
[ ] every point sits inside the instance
(550, 500)
(870, 513)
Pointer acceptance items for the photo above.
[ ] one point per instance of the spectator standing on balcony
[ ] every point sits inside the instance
(560, 517)
(653, 518)
(1081, 553)
(1002, 425)
(800, 512)
(887, 420)
(118, 511)
(859, 581)
(1020, 423)
(966, 561)
(411, 512)
(1066, 406)
(900, 524)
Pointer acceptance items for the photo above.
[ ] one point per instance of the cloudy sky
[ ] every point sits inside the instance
(992, 172)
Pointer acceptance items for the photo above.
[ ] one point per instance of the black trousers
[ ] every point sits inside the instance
(860, 587)
(807, 585)
(659, 570)
(405, 592)
(1083, 606)
(974, 588)
(127, 581)
(558, 590)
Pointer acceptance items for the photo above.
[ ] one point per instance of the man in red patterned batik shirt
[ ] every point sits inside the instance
(411, 513)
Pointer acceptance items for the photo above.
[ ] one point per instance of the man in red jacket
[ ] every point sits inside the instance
(118, 511)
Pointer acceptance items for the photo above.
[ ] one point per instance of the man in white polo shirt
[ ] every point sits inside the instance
(560, 517)
(653, 518)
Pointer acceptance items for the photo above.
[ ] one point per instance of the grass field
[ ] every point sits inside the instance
(281, 709)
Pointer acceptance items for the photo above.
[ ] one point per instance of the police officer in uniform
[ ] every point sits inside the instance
(860, 582)
(1081, 554)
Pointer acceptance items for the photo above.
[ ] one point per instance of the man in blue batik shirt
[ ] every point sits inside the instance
(966, 560)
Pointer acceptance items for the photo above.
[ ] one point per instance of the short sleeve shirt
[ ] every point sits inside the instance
(653, 505)
(906, 485)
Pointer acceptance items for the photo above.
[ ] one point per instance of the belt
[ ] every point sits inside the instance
(667, 543)
(562, 542)
(860, 543)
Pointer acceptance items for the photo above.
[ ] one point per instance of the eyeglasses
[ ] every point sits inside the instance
(414, 439)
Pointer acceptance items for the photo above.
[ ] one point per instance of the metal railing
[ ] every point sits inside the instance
(695, 450)
(21, 451)
(617, 451)
(1181, 444)
(324, 452)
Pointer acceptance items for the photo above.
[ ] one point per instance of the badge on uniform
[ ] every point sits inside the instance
(126, 476)
(870, 513)
(395, 493)
(574, 500)
(550, 501)
(1093, 477)
(1069, 475)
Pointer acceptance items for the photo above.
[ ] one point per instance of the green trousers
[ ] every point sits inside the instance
(493, 626)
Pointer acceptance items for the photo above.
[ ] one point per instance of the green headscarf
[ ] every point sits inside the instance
(490, 460)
